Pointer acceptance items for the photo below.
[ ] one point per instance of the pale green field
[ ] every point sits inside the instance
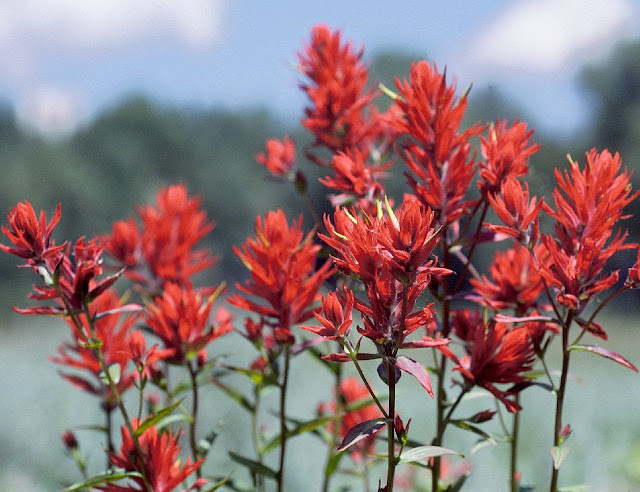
(604, 411)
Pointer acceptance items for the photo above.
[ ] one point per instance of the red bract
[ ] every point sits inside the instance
(282, 263)
(438, 155)
(336, 316)
(401, 241)
(633, 277)
(516, 282)
(143, 357)
(30, 235)
(161, 463)
(589, 203)
(115, 348)
(180, 318)
(505, 154)
(75, 280)
(517, 211)
(279, 158)
(164, 251)
(496, 355)
(337, 90)
(356, 179)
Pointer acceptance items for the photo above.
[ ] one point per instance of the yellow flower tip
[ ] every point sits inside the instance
(392, 215)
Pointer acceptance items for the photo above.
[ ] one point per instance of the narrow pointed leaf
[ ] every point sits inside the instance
(218, 483)
(332, 463)
(605, 353)
(172, 419)
(423, 452)
(362, 431)
(153, 420)
(300, 428)
(462, 424)
(102, 479)
(417, 370)
(559, 454)
(128, 308)
(254, 466)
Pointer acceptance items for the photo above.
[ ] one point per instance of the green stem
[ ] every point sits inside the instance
(193, 372)
(467, 265)
(283, 423)
(391, 458)
(560, 396)
(352, 354)
(335, 434)
(258, 481)
(109, 432)
(514, 449)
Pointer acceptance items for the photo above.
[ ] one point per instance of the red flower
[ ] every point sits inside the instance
(633, 278)
(517, 211)
(280, 157)
(180, 318)
(75, 280)
(282, 263)
(516, 282)
(589, 203)
(145, 358)
(30, 235)
(337, 318)
(337, 90)
(161, 463)
(356, 179)
(351, 391)
(115, 348)
(164, 250)
(506, 154)
(438, 155)
(496, 355)
(401, 242)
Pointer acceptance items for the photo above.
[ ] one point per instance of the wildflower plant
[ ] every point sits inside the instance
(378, 281)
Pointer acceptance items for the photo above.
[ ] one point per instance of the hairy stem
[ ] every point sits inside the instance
(255, 437)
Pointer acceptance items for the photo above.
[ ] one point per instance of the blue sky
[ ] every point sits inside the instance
(64, 60)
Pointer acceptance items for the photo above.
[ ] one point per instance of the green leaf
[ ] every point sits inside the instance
(114, 372)
(422, 452)
(301, 428)
(218, 483)
(575, 488)
(606, 354)
(332, 463)
(462, 424)
(155, 418)
(102, 479)
(93, 343)
(361, 431)
(228, 482)
(234, 394)
(172, 419)
(559, 454)
(254, 466)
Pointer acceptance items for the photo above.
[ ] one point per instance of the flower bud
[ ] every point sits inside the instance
(69, 440)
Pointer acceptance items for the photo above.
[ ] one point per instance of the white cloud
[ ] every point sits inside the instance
(52, 111)
(547, 35)
(31, 31)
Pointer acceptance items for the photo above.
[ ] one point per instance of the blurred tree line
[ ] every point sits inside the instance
(120, 159)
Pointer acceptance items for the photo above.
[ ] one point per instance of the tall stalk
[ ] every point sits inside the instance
(283, 422)
(513, 461)
(560, 396)
(194, 416)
